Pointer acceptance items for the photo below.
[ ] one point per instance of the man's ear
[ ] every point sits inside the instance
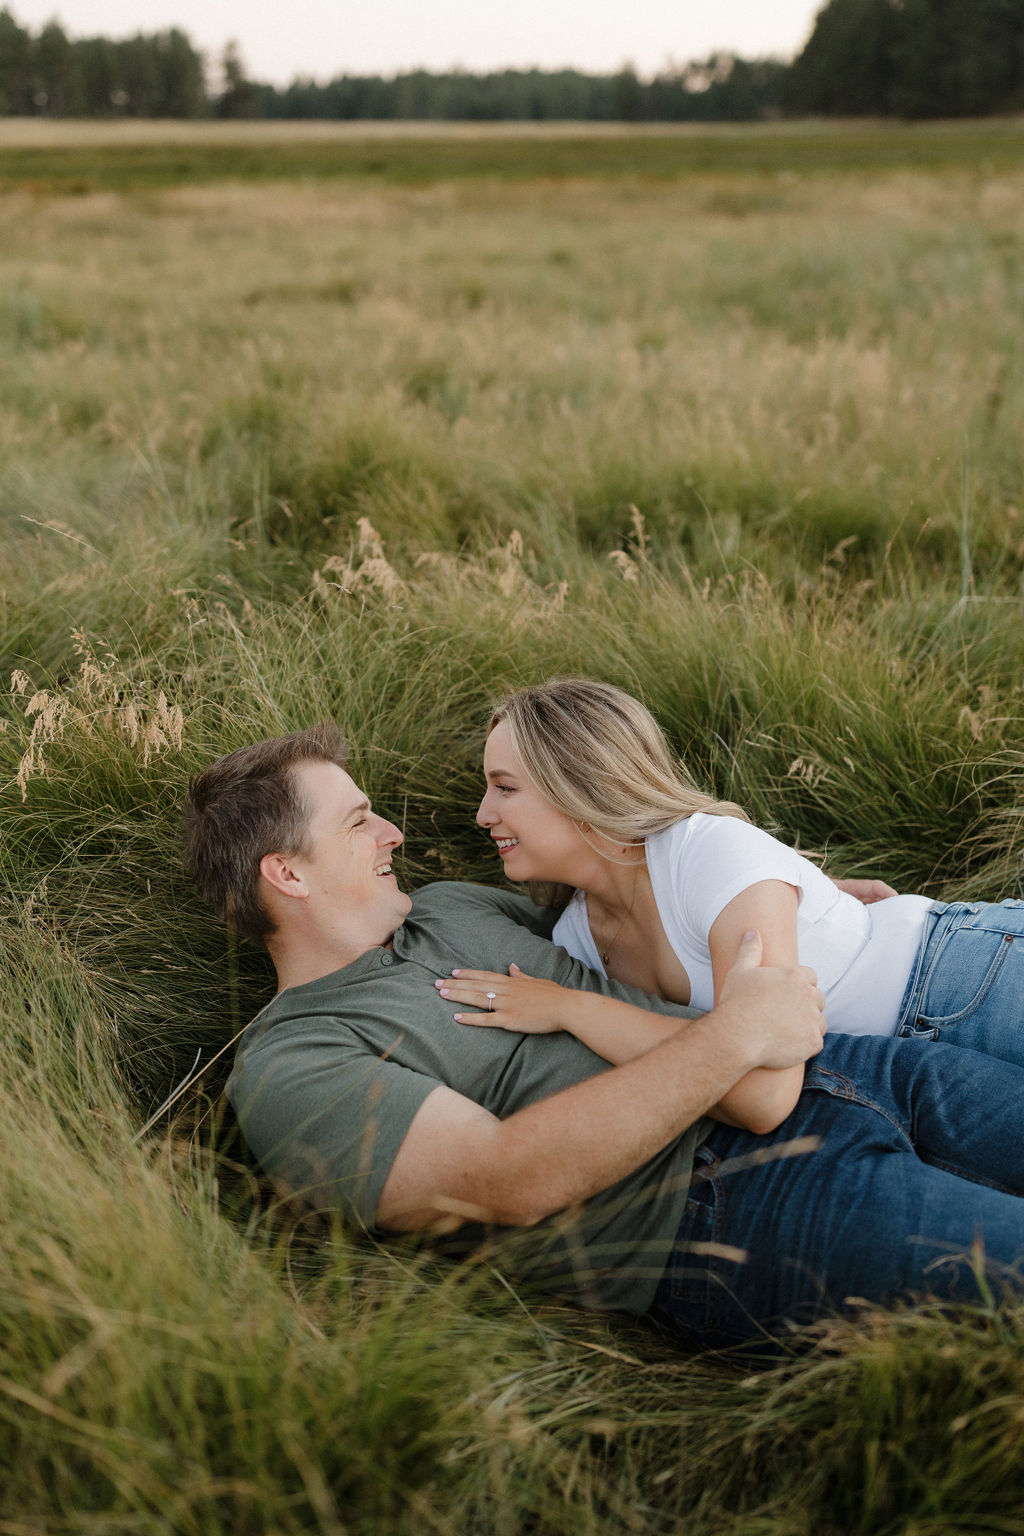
(279, 871)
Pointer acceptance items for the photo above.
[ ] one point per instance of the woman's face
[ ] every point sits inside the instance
(535, 841)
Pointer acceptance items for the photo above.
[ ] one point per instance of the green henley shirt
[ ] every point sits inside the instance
(328, 1078)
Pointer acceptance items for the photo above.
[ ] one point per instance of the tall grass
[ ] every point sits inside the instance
(381, 453)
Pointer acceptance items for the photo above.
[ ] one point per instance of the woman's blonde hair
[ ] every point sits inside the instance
(601, 758)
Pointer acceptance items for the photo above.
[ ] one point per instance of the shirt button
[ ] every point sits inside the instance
(387, 958)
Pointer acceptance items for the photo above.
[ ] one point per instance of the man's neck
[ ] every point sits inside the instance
(297, 964)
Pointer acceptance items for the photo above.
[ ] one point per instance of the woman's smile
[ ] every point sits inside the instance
(522, 821)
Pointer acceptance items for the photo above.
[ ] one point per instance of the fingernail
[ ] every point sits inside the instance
(456, 973)
(457, 1017)
(444, 991)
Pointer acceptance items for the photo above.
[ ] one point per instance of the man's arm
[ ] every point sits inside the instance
(459, 1162)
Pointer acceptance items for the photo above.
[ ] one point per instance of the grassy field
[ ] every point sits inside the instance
(53, 157)
(376, 425)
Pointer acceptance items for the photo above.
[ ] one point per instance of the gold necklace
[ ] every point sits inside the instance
(606, 951)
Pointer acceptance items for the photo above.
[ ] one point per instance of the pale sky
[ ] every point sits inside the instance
(324, 38)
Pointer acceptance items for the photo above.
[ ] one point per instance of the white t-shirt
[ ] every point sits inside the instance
(862, 954)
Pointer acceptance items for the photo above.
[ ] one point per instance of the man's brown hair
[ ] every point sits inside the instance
(244, 806)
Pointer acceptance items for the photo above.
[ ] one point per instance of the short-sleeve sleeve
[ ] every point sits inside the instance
(698, 866)
(720, 856)
(327, 1117)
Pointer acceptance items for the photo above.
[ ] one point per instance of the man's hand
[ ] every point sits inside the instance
(864, 891)
(781, 1006)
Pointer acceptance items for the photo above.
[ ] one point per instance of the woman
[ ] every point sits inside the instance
(663, 881)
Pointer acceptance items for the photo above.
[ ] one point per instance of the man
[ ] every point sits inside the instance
(358, 1090)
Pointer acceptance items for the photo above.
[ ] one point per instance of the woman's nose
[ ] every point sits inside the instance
(484, 816)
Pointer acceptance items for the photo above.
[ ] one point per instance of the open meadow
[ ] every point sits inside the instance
(314, 422)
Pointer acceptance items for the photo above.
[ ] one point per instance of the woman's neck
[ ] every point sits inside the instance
(617, 897)
(613, 885)
(613, 881)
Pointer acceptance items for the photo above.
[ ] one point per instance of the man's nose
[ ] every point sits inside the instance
(389, 835)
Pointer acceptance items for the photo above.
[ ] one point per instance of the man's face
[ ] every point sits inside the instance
(347, 866)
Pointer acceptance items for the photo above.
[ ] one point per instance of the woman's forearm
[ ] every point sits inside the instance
(616, 1031)
(761, 1101)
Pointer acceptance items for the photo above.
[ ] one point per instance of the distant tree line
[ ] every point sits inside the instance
(904, 58)
(723, 88)
(912, 58)
(49, 75)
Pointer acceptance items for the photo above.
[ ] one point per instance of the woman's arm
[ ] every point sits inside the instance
(613, 1029)
(761, 1100)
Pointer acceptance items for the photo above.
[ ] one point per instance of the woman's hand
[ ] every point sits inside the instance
(525, 1003)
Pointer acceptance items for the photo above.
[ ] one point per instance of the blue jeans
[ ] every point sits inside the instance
(914, 1189)
(967, 986)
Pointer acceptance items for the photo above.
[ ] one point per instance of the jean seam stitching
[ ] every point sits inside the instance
(970, 1178)
(852, 1096)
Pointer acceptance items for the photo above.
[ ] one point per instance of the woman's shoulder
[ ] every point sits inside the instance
(704, 827)
(710, 847)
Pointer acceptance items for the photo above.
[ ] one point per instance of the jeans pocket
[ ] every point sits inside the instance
(968, 965)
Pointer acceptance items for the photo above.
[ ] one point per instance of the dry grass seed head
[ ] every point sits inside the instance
(96, 702)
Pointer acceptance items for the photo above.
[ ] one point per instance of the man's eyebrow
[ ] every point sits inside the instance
(357, 810)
